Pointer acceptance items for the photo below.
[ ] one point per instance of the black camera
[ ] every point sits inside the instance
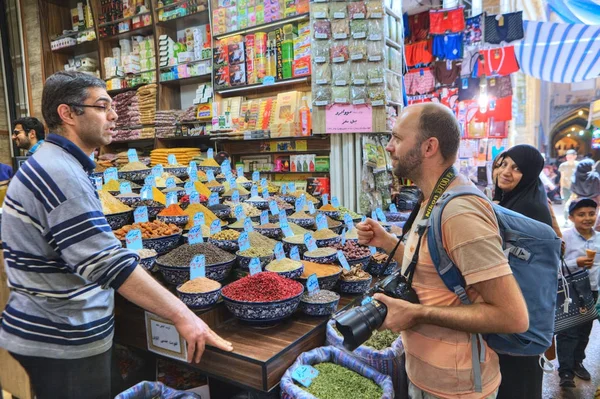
(357, 324)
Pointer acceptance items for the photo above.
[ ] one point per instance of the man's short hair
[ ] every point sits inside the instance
(66, 88)
(438, 121)
(29, 123)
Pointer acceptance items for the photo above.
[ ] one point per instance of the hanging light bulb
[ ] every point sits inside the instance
(483, 101)
(581, 132)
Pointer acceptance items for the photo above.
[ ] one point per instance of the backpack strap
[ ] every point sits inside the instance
(450, 274)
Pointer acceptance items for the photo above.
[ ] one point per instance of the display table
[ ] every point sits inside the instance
(260, 356)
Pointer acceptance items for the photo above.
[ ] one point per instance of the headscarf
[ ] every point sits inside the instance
(586, 180)
(529, 196)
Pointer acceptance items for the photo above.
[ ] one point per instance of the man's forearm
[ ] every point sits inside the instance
(389, 247)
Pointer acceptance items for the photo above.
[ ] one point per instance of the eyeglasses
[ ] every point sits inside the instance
(105, 108)
(16, 132)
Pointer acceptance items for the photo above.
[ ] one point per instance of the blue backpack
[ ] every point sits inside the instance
(533, 251)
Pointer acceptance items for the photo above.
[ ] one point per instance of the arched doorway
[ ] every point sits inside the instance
(570, 133)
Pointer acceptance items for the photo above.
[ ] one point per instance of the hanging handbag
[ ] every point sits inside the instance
(575, 303)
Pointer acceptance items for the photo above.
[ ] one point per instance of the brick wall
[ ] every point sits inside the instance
(32, 34)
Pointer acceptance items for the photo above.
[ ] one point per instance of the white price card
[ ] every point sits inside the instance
(162, 338)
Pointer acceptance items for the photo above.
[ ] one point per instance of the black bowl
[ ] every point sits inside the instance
(118, 220)
(199, 300)
(262, 312)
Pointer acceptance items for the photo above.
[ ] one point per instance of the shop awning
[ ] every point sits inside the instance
(577, 11)
(561, 53)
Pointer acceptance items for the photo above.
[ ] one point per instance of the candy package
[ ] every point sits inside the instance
(375, 73)
(374, 51)
(376, 95)
(320, 10)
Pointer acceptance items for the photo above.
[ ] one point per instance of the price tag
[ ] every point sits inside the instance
(226, 166)
(110, 174)
(98, 183)
(158, 170)
(150, 181)
(198, 266)
(235, 197)
(93, 156)
(373, 250)
(255, 266)
(162, 338)
(193, 173)
(292, 187)
(199, 219)
(171, 159)
(264, 183)
(312, 284)
(210, 175)
(239, 212)
(270, 80)
(321, 221)
(210, 153)
(195, 235)
(366, 300)
(215, 227)
(228, 177)
(344, 237)
(213, 199)
(194, 197)
(335, 202)
(193, 166)
(273, 207)
(265, 193)
(254, 191)
(362, 220)
(284, 189)
(170, 183)
(232, 182)
(125, 188)
(311, 207)
(146, 193)
(393, 208)
(282, 216)
(240, 171)
(374, 215)
(294, 253)
(248, 228)
(244, 241)
(255, 176)
(342, 259)
(299, 205)
(348, 221)
(285, 228)
(132, 155)
(279, 254)
(381, 215)
(264, 217)
(189, 187)
(310, 242)
(325, 199)
(171, 198)
(140, 215)
(133, 239)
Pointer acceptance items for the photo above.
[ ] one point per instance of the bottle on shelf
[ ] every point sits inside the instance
(305, 118)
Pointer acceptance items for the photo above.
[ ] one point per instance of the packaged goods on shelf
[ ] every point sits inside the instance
(186, 8)
(183, 155)
(147, 103)
(126, 105)
(117, 17)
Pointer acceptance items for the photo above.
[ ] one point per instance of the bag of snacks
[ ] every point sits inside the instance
(360, 379)
(384, 359)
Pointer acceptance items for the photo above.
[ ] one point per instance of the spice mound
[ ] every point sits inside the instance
(344, 211)
(249, 210)
(328, 208)
(319, 252)
(319, 269)
(324, 234)
(295, 239)
(301, 215)
(262, 287)
(239, 224)
(133, 166)
(379, 340)
(193, 209)
(332, 223)
(150, 203)
(255, 252)
(213, 183)
(172, 210)
(353, 251)
(210, 162)
(283, 265)
(111, 205)
(112, 185)
(146, 253)
(355, 274)
(226, 235)
(259, 241)
(323, 296)
(199, 285)
(149, 230)
(239, 189)
(334, 382)
(183, 255)
(269, 226)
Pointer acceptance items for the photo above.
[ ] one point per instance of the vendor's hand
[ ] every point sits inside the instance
(401, 315)
(372, 233)
(197, 334)
(585, 262)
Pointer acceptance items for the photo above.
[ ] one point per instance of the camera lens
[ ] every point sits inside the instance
(357, 324)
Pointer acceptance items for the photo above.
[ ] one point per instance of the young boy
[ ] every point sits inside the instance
(581, 244)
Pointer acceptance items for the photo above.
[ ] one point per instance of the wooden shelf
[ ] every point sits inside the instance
(143, 31)
(239, 90)
(315, 137)
(198, 18)
(117, 21)
(80, 48)
(115, 142)
(188, 81)
(186, 63)
(392, 43)
(391, 13)
(200, 137)
(119, 91)
(264, 27)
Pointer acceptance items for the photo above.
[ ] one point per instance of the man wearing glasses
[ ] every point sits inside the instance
(28, 134)
(59, 320)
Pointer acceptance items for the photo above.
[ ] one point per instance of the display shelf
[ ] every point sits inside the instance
(261, 87)
(117, 21)
(172, 5)
(314, 137)
(143, 31)
(264, 27)
(292, 152)
(115, 142)
(200, 137)
(392, 43)
(185, 63)
(114, 92)
(73, 34)
(197, 18)
(89, 46)
(197, 121)
(188, 81)
(391, 13)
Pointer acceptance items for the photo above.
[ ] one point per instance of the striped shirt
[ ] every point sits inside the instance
(62, 260)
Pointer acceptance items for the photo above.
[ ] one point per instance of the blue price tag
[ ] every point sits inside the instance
(193, 166)
(284, 189)
(310, 242)
(228, 176)
(279, 254)
(198, 267)
(393, 208)
(210, 175)
(140, 215)
(171, 198)
(342, 259)
(263, 182)
(366, 300)
(255, 176)
(195, 235)
(125, 188)
(110, 174)
(363, 219)
(335, 202)
(312, 284)
(344, 237)
(248, 227)
(292, 187)
(265, 193)
(374, 215)
(215, 227)
(199, 219)
(273, 208)
(325, 199)
(268, 80)
(235, 197)
(232, 183)
(348, 221)
(240, 171)
(194, 197)
(285, 228)
(282, 216)
(98, 183)
(244, 241)
(193, 175)
(255, 266)
(373, 250)
(171, 159)
(133, 239)
(158, 170)
(213, 199)
(311, 207)
(189, 187)
(132, 155)
(170, 183)
(210, 154)
(254, 191)
(146, 193)
(381, 215)
(239, 212)
(93, 156)
(150, 181)
(226, 167)
(264, 217)
(294, 253)
(321, 221)
(299, 205)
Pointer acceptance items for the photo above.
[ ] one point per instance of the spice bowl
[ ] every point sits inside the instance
(331, 214)
(180, 192)
(226, 245)
(354, 287)
(244, 261)
(325, 282)
(328, 242)
(290, 199)
(363, 263)
(319, 309)
(240, 228)
(118, 220)
(292, 274)
(179, 171)
(180, 221)
(261, 205)
(131, 201)
(303, 222)
(247, 185)
(223, 211)
(162, 245)
(148, 263)
(135, 175)
(396, 216)
(217, 189)
(376, 266)
(93, 175)
(262, 312)
(207, 168)
(179, 275)
(329, 259)
(271, 232)
(288, 245)
(199, 300)
(243, 197)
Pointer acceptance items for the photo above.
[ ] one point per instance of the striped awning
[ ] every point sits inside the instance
(561, 53)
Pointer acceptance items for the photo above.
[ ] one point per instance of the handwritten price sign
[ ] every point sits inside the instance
(349, 119)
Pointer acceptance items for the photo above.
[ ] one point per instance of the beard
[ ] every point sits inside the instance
(94, 136)
(409, 166)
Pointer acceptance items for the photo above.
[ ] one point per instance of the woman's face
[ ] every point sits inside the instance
(509, 175)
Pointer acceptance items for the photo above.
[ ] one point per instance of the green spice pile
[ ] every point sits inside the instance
(283, 265)
(379, 340)
(256, 252)
(183, 255)
(344, 211)
(239, 224)
(297, 230)
(323, 296)
(335, 382)
(324, 234)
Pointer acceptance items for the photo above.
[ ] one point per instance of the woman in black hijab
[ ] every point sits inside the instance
(586, 180)
(518, 184)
